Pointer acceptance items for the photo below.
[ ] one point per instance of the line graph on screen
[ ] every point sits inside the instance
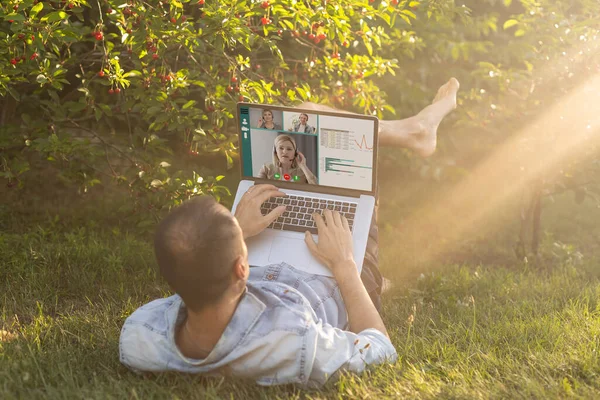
(363, 145)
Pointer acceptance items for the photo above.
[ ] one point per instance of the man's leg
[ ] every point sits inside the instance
(370, 274)
(418, 133)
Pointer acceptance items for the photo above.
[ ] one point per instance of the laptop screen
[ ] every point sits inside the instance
(310, 147)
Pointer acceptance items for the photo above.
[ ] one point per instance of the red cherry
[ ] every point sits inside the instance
(234, 79)
(155, 56)
(118, 90)
(71, 5)
(173, 20)
(394, 2)
(101, 74)
(241, 98)
(345, 44)
(33, 56)
(371, 1)
(13, 61)
(21, 36)
(280, 32)
(311, 36)
(183, 18)
(16, 7)
(265, 4)
(264, 20)
(11, 21)
(230, 88)
(201, 2)
(111, 91)
(237, 89)
(109, 11)
(335, 55)
(129, 31)
(322, 36)
(257, 66)
(99, 35)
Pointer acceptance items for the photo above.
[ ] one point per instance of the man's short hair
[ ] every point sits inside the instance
(196, 246)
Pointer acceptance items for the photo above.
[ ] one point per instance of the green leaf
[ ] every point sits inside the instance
(409, 13)
(54, 16)
(369, 46)
(188, 104)
(132, 73)
(509, 23)
(36, 9)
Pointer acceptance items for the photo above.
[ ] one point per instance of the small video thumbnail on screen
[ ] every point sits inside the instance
(284, 145)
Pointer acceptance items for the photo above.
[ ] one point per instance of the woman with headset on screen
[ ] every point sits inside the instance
(266, 121)
(288, 163)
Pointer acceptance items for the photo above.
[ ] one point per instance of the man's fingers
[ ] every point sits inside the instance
(345, 223)
(256, 189)
(274, 214)
(319, 221)
(267, 194)
(337, 218)
(329, 218)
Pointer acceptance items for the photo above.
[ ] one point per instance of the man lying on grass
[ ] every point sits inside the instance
(274, 324)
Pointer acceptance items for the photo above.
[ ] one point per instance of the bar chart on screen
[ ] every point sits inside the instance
(342, 166)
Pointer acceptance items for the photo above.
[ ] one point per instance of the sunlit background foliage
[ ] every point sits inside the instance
(140, 95)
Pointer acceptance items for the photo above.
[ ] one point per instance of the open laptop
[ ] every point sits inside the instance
(340, 150)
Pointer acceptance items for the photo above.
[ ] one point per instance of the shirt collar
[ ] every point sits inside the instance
(244, 318)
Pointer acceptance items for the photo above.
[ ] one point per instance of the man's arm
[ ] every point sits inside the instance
(335, 251)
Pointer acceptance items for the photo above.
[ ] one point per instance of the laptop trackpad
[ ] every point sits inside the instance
(287, 249)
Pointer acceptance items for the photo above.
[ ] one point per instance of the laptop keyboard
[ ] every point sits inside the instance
(298, 216)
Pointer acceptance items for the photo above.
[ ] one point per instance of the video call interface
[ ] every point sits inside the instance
(302, 147)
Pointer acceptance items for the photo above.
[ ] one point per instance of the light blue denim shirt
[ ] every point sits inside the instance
(287, 328)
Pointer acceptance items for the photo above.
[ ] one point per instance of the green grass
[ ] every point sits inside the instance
(479, 330)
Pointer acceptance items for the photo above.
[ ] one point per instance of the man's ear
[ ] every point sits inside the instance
(240, 269)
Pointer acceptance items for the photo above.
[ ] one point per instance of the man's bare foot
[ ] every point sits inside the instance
(418, 133)
(431, 116)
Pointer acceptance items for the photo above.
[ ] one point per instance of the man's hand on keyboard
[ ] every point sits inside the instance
(248, 212)
(335, 241)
